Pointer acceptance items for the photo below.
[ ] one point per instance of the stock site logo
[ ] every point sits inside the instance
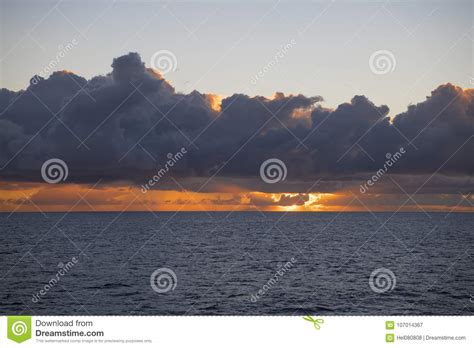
(19, 328)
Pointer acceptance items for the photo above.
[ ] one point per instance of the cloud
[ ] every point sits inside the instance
(120, 127)
(288, 200)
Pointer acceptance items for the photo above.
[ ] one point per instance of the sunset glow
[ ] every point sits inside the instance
(31, 197)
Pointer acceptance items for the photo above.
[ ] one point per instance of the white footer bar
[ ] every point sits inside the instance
(237, 331)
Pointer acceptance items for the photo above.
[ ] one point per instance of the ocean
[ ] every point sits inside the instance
(236, 263)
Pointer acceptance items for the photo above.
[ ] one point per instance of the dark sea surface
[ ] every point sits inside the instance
(221, 259)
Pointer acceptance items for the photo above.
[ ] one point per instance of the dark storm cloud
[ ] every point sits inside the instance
(122, 126)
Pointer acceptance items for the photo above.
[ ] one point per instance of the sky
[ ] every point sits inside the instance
(220, 46)
(360, 105)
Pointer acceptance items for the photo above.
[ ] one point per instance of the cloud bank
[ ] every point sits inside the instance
(121, 127)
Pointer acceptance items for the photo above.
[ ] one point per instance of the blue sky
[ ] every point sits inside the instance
(220, 46)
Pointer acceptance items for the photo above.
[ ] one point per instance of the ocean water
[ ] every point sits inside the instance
(297, 263)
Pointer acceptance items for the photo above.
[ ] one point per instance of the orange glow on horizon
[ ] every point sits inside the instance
(33, 197)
